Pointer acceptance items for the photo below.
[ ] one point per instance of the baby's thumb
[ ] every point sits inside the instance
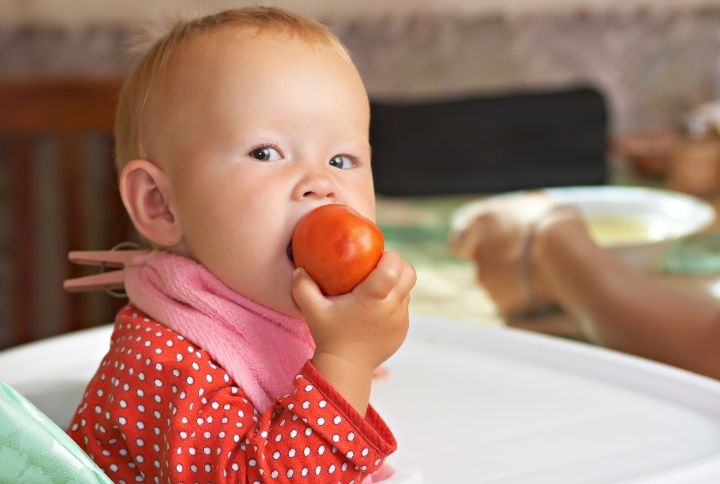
(305, 292)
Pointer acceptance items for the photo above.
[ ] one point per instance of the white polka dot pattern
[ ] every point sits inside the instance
(159, 409)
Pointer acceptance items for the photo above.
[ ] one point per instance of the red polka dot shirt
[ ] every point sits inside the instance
(159, 409)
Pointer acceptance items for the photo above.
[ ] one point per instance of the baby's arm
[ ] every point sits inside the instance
(355, 332)
(310, 435)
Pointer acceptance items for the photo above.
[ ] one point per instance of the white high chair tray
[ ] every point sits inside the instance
(471, 403)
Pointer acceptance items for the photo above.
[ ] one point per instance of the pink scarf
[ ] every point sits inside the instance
(261, 349)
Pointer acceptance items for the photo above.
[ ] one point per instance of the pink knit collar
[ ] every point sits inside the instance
(261, 349)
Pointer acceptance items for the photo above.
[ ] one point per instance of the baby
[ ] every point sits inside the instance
(228, 364)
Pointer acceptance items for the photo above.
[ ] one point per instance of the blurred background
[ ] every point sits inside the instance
(528, 93)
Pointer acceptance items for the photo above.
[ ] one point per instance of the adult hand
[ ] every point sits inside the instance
(502, 241)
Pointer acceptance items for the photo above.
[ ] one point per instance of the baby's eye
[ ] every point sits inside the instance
(265, 153)
(341, 161)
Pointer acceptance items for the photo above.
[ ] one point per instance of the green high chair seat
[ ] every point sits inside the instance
(33, 449)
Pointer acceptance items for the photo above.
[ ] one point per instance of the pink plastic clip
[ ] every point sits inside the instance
(104, 258)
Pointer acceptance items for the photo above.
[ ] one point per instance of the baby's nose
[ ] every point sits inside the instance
(315, 186)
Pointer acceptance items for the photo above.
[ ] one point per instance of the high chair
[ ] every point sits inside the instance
(474, 403)
(35, 449)
(60, 184)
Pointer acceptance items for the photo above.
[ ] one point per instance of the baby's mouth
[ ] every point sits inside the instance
(290, 252)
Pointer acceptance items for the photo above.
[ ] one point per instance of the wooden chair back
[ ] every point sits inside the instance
(60, 193)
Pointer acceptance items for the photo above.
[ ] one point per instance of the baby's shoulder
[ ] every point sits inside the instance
(137, 333)
(140, 342)
(132, 322)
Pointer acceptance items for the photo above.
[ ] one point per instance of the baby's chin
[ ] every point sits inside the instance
(294, 312)
(282, 304)
(275, 293)
(286, 306)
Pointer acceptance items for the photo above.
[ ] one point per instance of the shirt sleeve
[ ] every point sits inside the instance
(311, 434)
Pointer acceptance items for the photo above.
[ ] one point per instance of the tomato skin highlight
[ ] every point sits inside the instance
(337, 246)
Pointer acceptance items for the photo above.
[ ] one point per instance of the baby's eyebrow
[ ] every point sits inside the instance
(357, 145)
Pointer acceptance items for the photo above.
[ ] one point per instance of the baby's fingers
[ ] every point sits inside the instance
(306, 293)
(406, 282)
(383, 278)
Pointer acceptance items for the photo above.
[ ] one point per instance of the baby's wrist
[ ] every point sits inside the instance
(350, 378)
(336, 364)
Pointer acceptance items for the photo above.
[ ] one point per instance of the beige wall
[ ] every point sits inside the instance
(78, 12)
(653, 59)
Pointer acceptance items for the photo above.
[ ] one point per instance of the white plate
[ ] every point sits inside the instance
(635, 222)
(470, 403)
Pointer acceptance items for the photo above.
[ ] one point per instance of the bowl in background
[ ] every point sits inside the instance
(637, 223)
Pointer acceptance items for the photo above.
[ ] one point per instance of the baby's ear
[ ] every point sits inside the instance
(146, 191)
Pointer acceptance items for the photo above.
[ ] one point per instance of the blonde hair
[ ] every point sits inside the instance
(137, 91)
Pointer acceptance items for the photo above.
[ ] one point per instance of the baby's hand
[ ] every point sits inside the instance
(355, 332)
(363, 327)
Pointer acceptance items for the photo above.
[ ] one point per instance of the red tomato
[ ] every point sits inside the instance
(337, 246)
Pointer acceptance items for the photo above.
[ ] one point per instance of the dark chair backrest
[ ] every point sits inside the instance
(59, 188)
(489, 143)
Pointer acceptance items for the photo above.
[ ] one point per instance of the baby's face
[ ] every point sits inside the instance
(257, 132)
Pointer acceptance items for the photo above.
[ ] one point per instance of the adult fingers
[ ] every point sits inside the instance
(465, 243)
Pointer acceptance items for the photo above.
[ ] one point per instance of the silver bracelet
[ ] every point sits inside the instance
(524, 262)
